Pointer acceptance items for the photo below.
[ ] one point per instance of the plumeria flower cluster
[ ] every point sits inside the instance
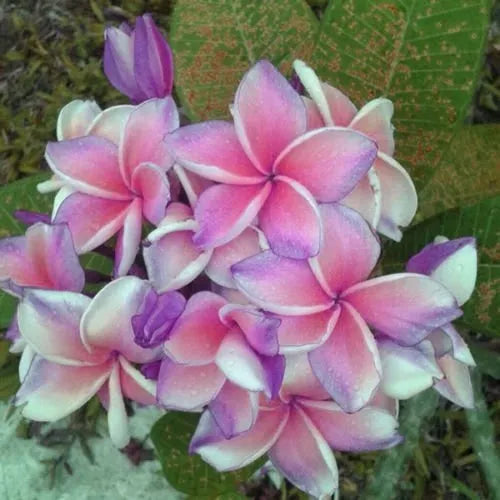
(245, 284)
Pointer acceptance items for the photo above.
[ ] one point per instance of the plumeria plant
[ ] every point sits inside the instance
(247, 287)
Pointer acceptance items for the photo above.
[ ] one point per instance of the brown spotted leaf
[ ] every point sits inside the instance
(216, 41)
(468, 172)
(481, 220)
(423, 55)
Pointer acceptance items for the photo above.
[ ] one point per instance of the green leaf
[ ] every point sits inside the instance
(481, 220)
(482, 436)
(424, 56)
(215, 42)
(391, 464)
(9, 379)
(171, 435)
(20, 195)
(468, 172)
(488, 360)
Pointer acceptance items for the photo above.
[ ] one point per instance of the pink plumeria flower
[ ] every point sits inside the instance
(73, 121)
(43, 258)
(238, 345)
(173, 260)
(84, 346)
(335, 302)
(298, 432)
(386, 196)
(138, 61)
(115, 176)
(269, 166)
(443, 359)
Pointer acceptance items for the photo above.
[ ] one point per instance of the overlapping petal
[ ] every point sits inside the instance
(303, 456)
(75, 117)
(280, 285)
(369, 429)
(212, 150)
(405, 306)
(268, 114)
(290, 220)
(198, 333)
(350, 249)
(348, 364)
(329, 162)
(225, 211)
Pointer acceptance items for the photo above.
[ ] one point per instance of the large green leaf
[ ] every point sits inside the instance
(391, 465)
(424, 55)
(16, 196)
(468, 172)
(481, 220)
(171, 435)
(482, 435)
(215, 41)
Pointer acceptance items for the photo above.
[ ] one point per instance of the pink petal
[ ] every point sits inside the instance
(406, 371)
(303, 456)
(245, 245)
(403, 306)
(135, 385)
(234, 409)
(304, 333)
(90, 165)
(198, 333)
(280, 285)
(172, 260)
(151, 184)
(50, 322)
(45, 257)
(110, 123)
(230, 454)
(117, 414)
(374, 120)
(225, 211)
(52, 391)
(91, 220)
(334, 106)
(75, 117)
(240, 364)
(129, 239)
(347, 364)
(188, 388)
(366, 430)
(447, 340)
(107, 322)
(456, 385)
(290, 220)
(329, 162)
(399, 198)
(192, 184)
(365, 198)
(342, 110)
(350, 249)
(299, 380)
(143, 137)
(268, 114)
(314, 119)
(213, 151)
(260, 329)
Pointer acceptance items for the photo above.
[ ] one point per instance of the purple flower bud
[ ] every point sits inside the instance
(151, 370)
(158, 314)
(138, 61)
(451, 262)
